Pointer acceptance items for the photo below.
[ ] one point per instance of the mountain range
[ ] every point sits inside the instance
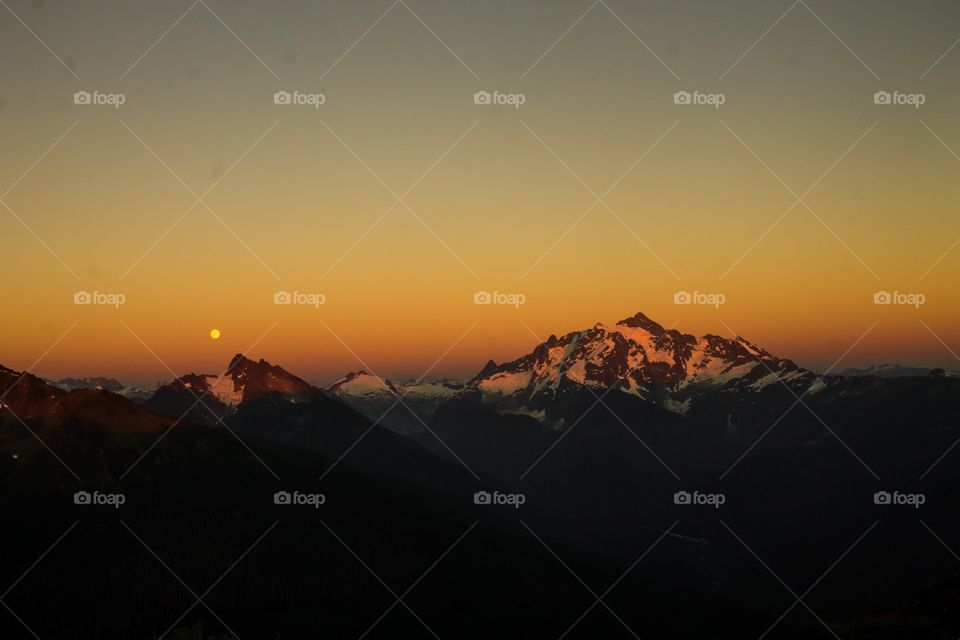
(598, 429)
(637, 356)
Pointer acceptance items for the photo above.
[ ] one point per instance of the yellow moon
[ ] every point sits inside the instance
(215, 334)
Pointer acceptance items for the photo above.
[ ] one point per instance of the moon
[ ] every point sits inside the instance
(215, 334)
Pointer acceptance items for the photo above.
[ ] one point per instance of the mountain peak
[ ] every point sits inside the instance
(641, 321)
(489, 368)
(640, 357)
(238, 360)
(361, 383)
(244, 380)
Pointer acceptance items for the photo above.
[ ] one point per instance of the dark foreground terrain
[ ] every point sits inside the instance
(199, 548)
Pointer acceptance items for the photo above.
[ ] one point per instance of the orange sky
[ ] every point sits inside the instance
(500, 196)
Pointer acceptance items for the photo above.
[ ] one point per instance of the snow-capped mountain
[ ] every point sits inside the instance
(137, 394)
(361, 384)
(376, 398)
(244, 380)
(640, 357)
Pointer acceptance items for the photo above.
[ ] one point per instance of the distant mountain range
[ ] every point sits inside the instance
(501, 418)
(897, 371)
(379, 399)
(137, 394)
(637, 356)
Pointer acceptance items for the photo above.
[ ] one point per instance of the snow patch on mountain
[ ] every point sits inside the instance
(677, 407)
(362, 383)
(225, 388)
(445, 389)
(506, 382)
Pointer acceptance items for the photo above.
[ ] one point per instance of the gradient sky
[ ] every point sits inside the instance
(287, 214)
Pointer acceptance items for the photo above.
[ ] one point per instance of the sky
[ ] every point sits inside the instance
(398, 198)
